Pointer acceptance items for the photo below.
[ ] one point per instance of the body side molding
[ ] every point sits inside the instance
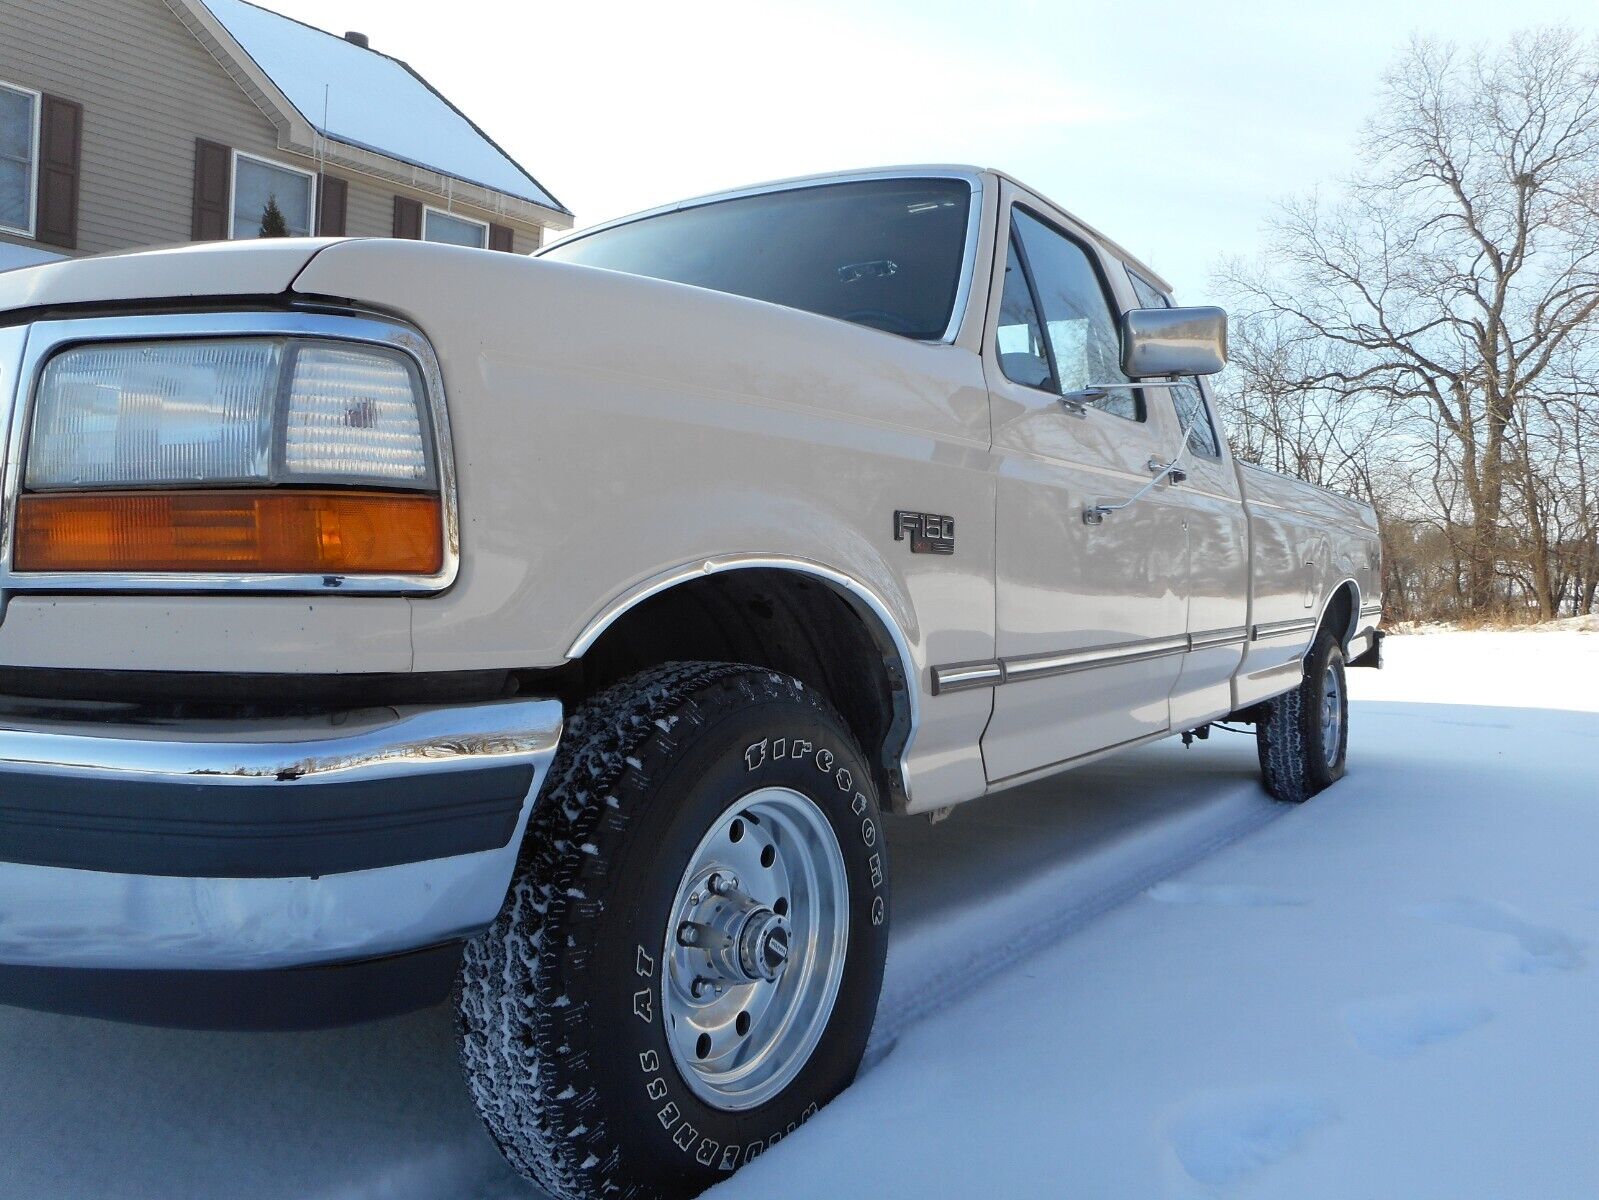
(958, 677)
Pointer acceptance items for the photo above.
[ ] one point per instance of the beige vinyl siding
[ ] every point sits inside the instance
(371, 209)
(148, 90)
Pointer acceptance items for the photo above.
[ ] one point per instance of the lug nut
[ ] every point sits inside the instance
(724, 884)
(687, 935)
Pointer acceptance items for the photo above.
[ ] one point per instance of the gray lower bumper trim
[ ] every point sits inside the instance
(54, 915)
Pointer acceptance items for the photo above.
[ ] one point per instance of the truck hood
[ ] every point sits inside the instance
(203, 269)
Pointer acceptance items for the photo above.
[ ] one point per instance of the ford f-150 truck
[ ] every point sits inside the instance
(387, 621)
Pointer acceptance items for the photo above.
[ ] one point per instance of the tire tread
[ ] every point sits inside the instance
(513, 1020)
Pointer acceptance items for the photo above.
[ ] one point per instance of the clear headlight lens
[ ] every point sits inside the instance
(228, 411)
(151, 413)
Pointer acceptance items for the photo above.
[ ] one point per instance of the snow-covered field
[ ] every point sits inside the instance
(1141, 980)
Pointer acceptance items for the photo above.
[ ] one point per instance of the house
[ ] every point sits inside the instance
(129, 123)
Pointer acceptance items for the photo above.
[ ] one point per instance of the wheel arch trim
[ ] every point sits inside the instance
(1346, 635)
(866, 601)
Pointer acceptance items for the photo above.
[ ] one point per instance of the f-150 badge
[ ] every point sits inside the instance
(929, 533)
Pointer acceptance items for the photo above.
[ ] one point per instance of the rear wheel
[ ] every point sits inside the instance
(1303, 735)
(689, 960)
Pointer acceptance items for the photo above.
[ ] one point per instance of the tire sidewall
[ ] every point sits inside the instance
(670, 1133)
(1325, 657)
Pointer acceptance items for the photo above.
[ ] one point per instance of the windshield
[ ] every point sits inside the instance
(883, 253)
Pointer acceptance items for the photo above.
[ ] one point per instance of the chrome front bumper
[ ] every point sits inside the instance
(252, 845)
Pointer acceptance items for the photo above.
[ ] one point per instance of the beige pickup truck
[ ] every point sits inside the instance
(387, 621)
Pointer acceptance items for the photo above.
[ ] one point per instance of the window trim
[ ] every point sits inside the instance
(1107, 293)
(1052, 383)
(454, 216)
(32, 230)
(233, 189)
(1202, 387)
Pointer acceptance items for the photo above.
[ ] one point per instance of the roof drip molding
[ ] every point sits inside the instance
(298, 135)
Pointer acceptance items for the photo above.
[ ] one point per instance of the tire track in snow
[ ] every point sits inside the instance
(927, 972)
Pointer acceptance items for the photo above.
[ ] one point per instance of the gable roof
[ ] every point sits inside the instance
(372, 101)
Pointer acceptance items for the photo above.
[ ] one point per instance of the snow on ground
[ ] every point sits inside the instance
(1141, 979)
(1388, 992)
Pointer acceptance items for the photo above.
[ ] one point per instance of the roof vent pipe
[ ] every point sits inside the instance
(360, 39)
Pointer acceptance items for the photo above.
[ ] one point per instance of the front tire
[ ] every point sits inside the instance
(1303, 736)
(688, 962)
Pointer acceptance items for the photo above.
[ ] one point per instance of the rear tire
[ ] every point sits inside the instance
(1303, 736)
(680, 799)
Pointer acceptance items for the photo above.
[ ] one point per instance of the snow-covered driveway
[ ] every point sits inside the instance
(1388, 992)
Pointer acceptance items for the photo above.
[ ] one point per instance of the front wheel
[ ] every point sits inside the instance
(1303, 736)
(688, 963)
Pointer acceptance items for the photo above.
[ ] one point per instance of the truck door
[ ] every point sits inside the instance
(1091, 619)
(1218, 548)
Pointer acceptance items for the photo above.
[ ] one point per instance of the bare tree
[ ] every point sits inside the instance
(1451, 280)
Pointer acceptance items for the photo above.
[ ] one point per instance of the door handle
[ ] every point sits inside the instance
(1170, 470)
(1095, 514)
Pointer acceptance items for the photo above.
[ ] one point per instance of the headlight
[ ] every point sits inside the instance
(246, 454)
(227, 411)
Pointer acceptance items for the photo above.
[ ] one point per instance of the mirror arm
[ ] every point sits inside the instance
(1074, 402)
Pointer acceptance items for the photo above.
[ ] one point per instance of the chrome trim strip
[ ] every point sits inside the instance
(1276, 629)
(736, 562)
(963, 288)
(110, 919)
(962, 676)
(1043, 666)
(1233, 636)
(47, 337)
(371, 744)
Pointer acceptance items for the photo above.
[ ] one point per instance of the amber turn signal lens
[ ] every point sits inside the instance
(236, 532)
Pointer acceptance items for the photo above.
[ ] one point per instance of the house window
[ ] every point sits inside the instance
(19, 155)
(440, 226)
(270, 199)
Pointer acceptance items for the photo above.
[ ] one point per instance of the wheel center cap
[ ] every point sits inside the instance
(763, 946)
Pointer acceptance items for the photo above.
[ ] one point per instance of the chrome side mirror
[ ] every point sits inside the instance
(1173, 341)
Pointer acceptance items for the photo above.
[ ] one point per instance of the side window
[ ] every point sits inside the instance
(1188, 400)
(1020, 337)
(1149, 296)
(1195, 418)
(1082, 332)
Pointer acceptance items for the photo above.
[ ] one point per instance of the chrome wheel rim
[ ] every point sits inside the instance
(754, 949)
(1332, 714)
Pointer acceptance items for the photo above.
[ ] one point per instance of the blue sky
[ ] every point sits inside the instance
(1173, 127)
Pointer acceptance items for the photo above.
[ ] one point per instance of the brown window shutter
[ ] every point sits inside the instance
(407, 218)
(213, 191)
(332, 206)
(60, 151)
(503, 238)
